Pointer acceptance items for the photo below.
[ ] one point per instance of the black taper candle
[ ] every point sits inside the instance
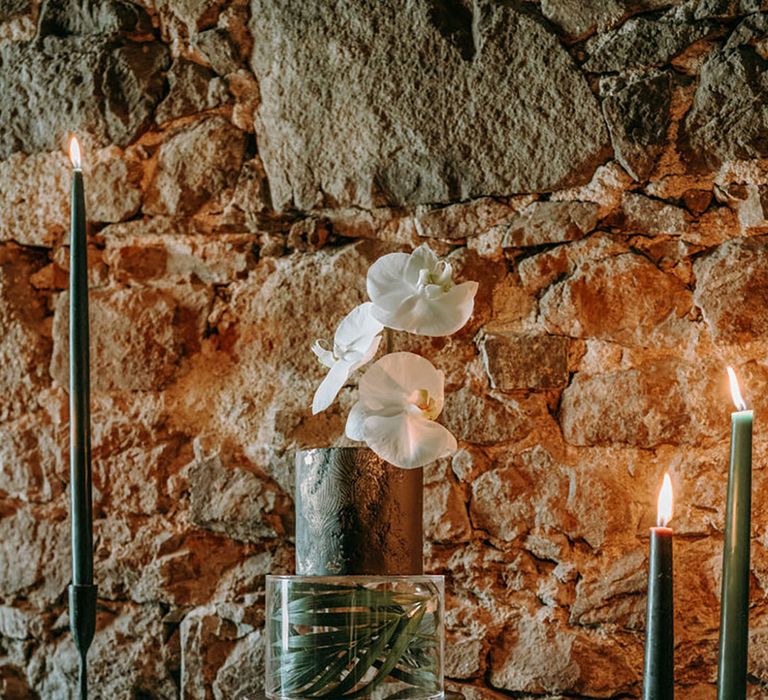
(659, 669)
(79, 392)
(82, 592)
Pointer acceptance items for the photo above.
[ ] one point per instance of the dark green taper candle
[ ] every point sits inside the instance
(734, 599)
(82, 592)
(659, 666)
(79, 385)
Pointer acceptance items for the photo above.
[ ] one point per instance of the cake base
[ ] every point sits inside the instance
(376, 637)
(357, 514)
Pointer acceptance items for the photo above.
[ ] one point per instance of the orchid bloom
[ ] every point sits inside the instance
(401, 395)
(416, 293)
(354, 344)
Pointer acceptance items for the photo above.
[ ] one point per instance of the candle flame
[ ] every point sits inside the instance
(735, 391)
(74, 152)
(665, 503)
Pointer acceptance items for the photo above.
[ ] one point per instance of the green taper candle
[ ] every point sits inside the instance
(79, 384)
(659, 666)
(82, 592)
(734, 599)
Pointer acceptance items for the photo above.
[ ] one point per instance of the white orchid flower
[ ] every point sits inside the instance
(416, 293)
(354, 344)
(400, 396)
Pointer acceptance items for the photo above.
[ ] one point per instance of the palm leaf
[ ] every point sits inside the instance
(345, 640)
(364, 662)
(401, 641)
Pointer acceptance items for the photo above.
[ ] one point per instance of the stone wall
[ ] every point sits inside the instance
(601, 167)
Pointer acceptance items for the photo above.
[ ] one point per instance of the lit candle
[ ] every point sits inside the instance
(82, 592)
(659, 667)
(79, 383)
(734, 599)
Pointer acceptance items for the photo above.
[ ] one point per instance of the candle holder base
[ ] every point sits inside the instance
(82, 614)
(82, 623)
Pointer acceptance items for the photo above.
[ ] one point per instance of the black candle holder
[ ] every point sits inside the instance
(82, 622)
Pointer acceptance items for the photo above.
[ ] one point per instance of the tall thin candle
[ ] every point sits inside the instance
(82, 592)
(734, 600)
(659, 667)
(79, 384)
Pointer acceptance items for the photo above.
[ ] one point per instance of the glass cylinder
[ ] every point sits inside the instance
(377, 637)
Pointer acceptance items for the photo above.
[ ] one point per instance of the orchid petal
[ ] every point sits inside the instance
(323, 354)
(416, 293)
(385, 280)
(355, 420)
(388, 384)
(438, 316)
(423, 258)
(368, 356)
(330, 387)
(358, 328)
(400, 395)
(407, 441)
(356, 342)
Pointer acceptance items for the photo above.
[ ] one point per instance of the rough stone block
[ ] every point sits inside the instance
(112, 189)
(464, 220)
(34, 199)
(242, 674)
(94, 86)
(138, 339)
(609, 591)
(193, 88)
(25, 343)
(576, 658)
(729, 116)
(637, 113)
(541, 223)
(217, 46)
(731, 289)
(641, 407)
(233, 499)
(195, 164)
(526, 362)
(445, 513)
(541, 270)
(645, 215)
(135, 255)
(625, 299)
(645, 42)
(482, 420)
(33, 458)
(376, 128)
(221, 657)
(753, 210)
(501, 505)
(581, 17)
(42, 536)
(93, 17)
